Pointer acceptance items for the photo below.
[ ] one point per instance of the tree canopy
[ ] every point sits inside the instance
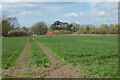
(39, 28)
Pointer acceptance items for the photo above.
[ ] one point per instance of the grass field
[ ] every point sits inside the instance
(95, 55)
(37, 57)
(11, 49)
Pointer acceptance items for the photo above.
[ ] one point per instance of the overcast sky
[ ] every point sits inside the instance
(29, 13)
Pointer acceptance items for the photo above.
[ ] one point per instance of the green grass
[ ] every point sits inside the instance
(27, 74)
(96, 56)
(37, 56)
(11, 49)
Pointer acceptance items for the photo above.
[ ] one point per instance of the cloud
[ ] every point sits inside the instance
(17, 5)
(109, 5)
(33, 12)
(54, 7)
(93, 4)
(97, 9)
(71, 14)
(81, 13)
(28, 5)
(101, 13)
(95, 14)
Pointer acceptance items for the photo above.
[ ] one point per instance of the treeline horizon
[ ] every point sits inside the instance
(85, 29)
(11, 25)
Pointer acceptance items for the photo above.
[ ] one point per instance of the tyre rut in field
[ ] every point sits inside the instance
(58, 69)
(21, 65)
(22, 59)
(48, 53)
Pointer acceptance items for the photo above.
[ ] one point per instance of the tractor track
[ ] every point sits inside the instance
(58, 69)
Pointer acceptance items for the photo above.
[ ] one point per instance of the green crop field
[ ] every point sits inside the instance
(37, 56)
(11, 49)
(94, 55)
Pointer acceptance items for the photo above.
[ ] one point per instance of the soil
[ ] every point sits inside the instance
(58, 69)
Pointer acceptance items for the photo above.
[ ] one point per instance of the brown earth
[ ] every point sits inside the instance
(58, 69)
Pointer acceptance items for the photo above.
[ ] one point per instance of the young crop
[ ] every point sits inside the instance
(11, 49)
(96, 56)
(37, 56)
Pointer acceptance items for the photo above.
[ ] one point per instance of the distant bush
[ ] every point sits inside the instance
(16, 33)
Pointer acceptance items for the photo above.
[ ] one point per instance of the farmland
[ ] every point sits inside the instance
(37, 56)
(95, 55)
(60, 40)
(11, 49)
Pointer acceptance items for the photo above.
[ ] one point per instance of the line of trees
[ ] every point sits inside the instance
(85, 29)
(10, 25)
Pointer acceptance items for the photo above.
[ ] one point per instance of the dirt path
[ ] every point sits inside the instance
(21, 65)
(24, 70)
(48, 53)
(22, 60)
(58, 69)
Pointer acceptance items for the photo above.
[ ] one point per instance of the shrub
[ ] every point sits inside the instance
(16, 33)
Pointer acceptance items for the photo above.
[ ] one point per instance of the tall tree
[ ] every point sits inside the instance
(8, 23)
(39, 28)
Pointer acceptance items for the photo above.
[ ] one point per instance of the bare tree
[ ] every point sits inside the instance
(39, 28)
